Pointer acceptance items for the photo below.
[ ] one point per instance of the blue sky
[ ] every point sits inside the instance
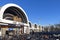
(42, 12)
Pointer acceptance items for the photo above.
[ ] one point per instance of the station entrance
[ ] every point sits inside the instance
(13, 20)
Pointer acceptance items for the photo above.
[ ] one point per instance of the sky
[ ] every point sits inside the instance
(42, 12)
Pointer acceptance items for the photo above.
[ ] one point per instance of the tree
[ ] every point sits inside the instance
(46, 29)
(52, 28)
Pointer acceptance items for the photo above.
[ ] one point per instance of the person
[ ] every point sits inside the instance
(0, 35)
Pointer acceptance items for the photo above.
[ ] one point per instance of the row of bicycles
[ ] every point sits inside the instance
(32, 36)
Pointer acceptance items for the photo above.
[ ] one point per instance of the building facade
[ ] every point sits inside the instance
(13, 17)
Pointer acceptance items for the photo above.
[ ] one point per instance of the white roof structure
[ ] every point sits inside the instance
(2, 10)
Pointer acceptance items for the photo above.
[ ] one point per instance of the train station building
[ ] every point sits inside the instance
(14, 18)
